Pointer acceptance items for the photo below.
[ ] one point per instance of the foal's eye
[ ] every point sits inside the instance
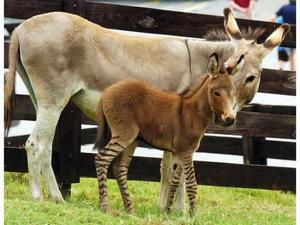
(250, 79)
(216, 93)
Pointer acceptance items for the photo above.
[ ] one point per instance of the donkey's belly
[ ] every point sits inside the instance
(87, 100)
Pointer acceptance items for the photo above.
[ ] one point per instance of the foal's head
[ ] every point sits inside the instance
(222, 91)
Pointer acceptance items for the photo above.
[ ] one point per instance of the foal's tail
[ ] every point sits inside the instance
(103, 135)
(10, 79)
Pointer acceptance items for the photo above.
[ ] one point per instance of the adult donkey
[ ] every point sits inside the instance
(61, 56)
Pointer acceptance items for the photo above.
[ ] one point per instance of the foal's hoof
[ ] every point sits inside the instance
(192, 212)
(130, 211)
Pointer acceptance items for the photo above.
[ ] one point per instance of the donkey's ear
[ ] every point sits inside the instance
(231, 26)
(213, 65)
(232, 69)
(276, 37)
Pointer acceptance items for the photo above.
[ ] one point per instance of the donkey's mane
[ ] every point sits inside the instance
(220, 35)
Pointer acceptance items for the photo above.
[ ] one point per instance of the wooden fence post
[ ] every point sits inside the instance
(68, 142)
(251, 151)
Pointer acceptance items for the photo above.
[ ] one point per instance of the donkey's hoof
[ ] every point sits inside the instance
(168, 210)
(39, 198)
(105, 208)
(58, 199)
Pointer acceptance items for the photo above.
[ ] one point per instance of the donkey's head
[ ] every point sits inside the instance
(222, 90)
(247, 78)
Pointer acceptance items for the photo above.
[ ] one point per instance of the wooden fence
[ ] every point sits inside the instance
(254, 123)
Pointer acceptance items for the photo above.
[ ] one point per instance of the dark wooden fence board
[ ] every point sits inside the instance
(141, 19)
(6, 48)
(278, 82)
(15, 159)
(23, 9)
(74, 6)
(277, 149)
(159, 21)
(23, 109)
(10, 27)
(208, 173)
(260, 125)
(274, 109)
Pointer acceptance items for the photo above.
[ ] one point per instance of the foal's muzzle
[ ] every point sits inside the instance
(224, 121)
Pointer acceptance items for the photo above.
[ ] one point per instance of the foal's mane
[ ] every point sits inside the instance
(195, 87)
(248, 33)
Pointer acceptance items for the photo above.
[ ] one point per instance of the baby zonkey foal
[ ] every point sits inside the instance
(133, 109)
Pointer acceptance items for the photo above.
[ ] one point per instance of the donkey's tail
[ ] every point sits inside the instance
(103, 131)
(10, 79)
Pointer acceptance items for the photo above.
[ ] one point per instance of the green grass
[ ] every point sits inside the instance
(215, 205)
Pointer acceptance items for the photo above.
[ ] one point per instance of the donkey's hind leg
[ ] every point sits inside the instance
(168, 163)
(120, 170)
(38, 147)
(173, 186)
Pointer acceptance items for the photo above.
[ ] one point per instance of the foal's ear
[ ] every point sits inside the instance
(231, 26)
(276, 37)
(232, 69)
(213, 65)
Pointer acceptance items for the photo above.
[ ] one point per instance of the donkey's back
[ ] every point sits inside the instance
(59, 50)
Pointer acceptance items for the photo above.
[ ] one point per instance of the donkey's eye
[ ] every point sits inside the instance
(250, 79)
(216, 93)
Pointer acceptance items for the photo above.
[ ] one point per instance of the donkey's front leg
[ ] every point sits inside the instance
(173, 186)
(168, 163)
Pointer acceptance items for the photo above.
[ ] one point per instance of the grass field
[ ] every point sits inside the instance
(215, 205)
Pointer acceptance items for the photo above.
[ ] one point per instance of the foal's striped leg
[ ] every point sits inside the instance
(120, 170)
(173, 186)
(191, 183)
(102, 161)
